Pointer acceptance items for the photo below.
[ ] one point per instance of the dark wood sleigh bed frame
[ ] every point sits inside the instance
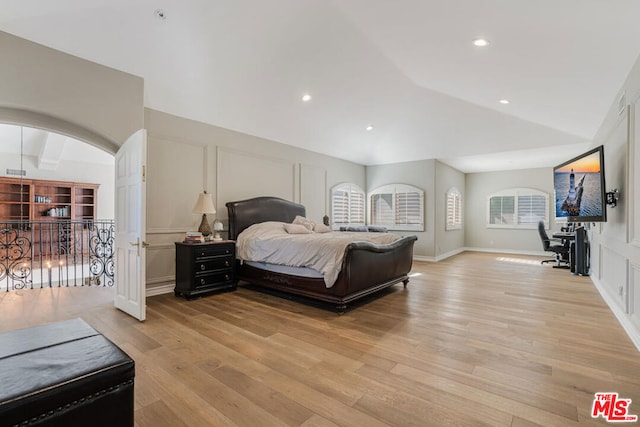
(366, 267)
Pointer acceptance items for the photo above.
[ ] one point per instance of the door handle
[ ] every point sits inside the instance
(137, 243)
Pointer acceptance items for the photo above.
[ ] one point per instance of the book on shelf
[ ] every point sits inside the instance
(193, 237)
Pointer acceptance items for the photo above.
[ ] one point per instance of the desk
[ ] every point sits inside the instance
(579, 250)
(567, 237)
(564, 235)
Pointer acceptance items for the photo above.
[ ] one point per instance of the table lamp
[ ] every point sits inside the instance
(203, 206)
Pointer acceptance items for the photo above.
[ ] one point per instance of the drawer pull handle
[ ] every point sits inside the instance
(226, 263)
(202, 281)
(202, 267)
(226, 277)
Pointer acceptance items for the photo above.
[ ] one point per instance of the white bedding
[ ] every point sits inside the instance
(323, 252)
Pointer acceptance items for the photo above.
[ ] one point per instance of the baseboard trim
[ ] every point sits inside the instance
(509, 251)
(629, 328)
(160, 290)
(424, 258)
(439, 257)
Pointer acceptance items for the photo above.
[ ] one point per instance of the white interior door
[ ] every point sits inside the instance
(130, 207)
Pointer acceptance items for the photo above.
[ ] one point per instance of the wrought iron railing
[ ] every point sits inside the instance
(37, 254)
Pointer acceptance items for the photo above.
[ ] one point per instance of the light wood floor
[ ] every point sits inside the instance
(478, 339)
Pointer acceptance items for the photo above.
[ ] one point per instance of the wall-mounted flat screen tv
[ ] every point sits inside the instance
(580, 189)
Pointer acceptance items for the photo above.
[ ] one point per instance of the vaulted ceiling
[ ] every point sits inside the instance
(406, 67)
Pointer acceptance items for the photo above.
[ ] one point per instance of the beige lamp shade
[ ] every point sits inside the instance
(203, 206)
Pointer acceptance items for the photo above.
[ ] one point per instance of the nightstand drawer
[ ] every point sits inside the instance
(213, 251)
(217, 278)
(215, 263)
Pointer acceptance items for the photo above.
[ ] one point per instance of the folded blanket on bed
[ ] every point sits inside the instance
(324, 252)
(364, 228)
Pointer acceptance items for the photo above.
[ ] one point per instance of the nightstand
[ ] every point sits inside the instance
(205, 267)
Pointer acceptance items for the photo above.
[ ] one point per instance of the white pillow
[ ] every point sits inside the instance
(297, 229)
(321, 228)
(303, 221)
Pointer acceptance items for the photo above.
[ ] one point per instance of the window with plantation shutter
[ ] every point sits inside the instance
(347, 205)
(531, 209)
(454, 210)
(517, 208)
(397, 207)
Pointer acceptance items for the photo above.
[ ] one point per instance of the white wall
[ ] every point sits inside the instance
(420, 174)
(186, 157)
(448, 242)
(479, 186)
(435, 178)
(615, 245)
(52, 90)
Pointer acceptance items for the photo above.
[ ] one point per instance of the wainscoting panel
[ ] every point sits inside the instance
(615, 278)
(616, 158)
(313, 191)
(596, 259)
(634, 294)
(181, 186)
(634, 178)
(161, 263)
(242, 175)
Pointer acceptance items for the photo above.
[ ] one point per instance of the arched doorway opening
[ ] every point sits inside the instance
(56, 210)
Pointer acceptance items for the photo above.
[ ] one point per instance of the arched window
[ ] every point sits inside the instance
(397, 207)
(517, 208)
(347, 205)
(454, 209)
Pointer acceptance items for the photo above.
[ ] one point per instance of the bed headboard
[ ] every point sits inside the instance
(244, 213)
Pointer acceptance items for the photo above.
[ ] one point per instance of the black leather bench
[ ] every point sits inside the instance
(64, 374)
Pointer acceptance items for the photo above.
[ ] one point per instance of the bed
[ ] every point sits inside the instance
(366, 267)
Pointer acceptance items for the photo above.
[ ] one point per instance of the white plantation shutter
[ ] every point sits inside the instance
(356, 207)
(531, 209)
(454, 209)
(502, 210)
(397, 207)
(517, 208)
(347, 205)
(382, 209)
(340, 206)
(408, 208)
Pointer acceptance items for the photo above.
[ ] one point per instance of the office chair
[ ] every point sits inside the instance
(561, 250)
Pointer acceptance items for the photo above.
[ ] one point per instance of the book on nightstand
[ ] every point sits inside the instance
(193, 237)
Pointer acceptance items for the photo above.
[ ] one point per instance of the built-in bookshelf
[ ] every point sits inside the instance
(15, 199)
(44, 200)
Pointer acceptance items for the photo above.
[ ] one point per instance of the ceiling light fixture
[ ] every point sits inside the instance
(504, 101)
(481, 42)
(160, 14)
(369, 128)
(306, 97)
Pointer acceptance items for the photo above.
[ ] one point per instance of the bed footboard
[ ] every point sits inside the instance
(367, 266)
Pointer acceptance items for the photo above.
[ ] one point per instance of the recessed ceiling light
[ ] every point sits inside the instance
(369, 127)
(504, 101)
(160, 14)
(481, 42)
(306, 97)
